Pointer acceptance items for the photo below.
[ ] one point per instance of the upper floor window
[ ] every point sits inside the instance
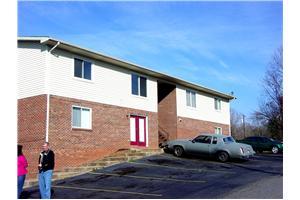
(138, 85)
(82, 69)
(217, 104)
(191, 98)
(81, 117)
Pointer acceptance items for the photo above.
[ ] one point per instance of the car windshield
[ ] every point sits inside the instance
(228, 139)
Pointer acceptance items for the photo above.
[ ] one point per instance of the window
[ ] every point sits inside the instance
(228, 139)
(217, 104)
(264, 140)
(252, 139)
(218, 130)
(81, 117)
(215, 140)
(82, 69)
(203, 139)
(138, 85)
(190, 98)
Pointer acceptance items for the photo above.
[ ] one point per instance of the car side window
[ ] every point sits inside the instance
(207, 139)
(215, 140)
(252, 139)
(264, 140)
(203, 139)
(199, 139)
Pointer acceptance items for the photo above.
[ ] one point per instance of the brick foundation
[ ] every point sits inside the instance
(188, 128)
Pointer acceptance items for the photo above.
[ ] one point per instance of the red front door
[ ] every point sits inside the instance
(137, 130)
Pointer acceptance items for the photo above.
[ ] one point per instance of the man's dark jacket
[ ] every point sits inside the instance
(47, 161)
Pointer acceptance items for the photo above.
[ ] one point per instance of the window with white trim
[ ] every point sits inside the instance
(81, 117)
(190, 98)
(217, 104)
(218, 130)
(82, 69)
(138, 85)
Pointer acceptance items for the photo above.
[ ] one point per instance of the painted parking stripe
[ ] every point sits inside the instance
(182, 168)
(106, 190)
(151, 178)
(197, 160)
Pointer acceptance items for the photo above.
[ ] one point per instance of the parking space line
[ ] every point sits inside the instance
(151, 177)
(198, 161)
(106, 190)
(182, 168)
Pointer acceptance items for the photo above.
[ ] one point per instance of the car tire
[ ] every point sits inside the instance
(223, 156)
(275, 150)
(178, 151)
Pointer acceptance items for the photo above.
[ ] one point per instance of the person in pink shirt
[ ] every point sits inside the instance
(22, 171)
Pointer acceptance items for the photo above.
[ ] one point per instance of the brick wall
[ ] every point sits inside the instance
(189, 128)
(110, 131)
(167, 115)
(31, 128)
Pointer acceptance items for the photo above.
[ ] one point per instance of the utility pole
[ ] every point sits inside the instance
(244, 128)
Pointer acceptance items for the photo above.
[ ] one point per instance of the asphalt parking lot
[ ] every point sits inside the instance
(166, 176)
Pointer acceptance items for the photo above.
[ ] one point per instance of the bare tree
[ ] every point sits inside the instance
(236, 124)
(270, 111)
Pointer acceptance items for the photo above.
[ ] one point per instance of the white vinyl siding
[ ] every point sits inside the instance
(110, 84)
(81, 117)
(204, 107)
(31, 69)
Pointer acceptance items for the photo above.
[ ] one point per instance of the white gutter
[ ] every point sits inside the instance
(47, 89)
(54, 47)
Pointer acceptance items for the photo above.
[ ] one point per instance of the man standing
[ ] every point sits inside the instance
(46, 166)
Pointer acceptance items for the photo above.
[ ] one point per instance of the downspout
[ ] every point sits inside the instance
(47, 91)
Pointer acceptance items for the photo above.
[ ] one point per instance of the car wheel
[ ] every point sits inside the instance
(223, 156)
(275, 150)
(178, 151)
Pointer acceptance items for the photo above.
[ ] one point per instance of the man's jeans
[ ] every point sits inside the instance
(21, 180)
(45, 184)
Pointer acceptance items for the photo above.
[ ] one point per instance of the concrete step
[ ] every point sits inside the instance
(112, 158)
(99, 163)
(62, 175)
(115, 158)
(79, 169)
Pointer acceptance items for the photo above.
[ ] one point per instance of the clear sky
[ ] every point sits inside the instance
(221, 45)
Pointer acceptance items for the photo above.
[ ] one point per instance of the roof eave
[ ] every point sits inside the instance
(125, 64)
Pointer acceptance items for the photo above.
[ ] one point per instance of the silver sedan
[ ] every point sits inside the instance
(222, 147)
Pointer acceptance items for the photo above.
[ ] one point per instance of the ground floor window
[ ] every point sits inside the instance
(218, 130)
(81, 117)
